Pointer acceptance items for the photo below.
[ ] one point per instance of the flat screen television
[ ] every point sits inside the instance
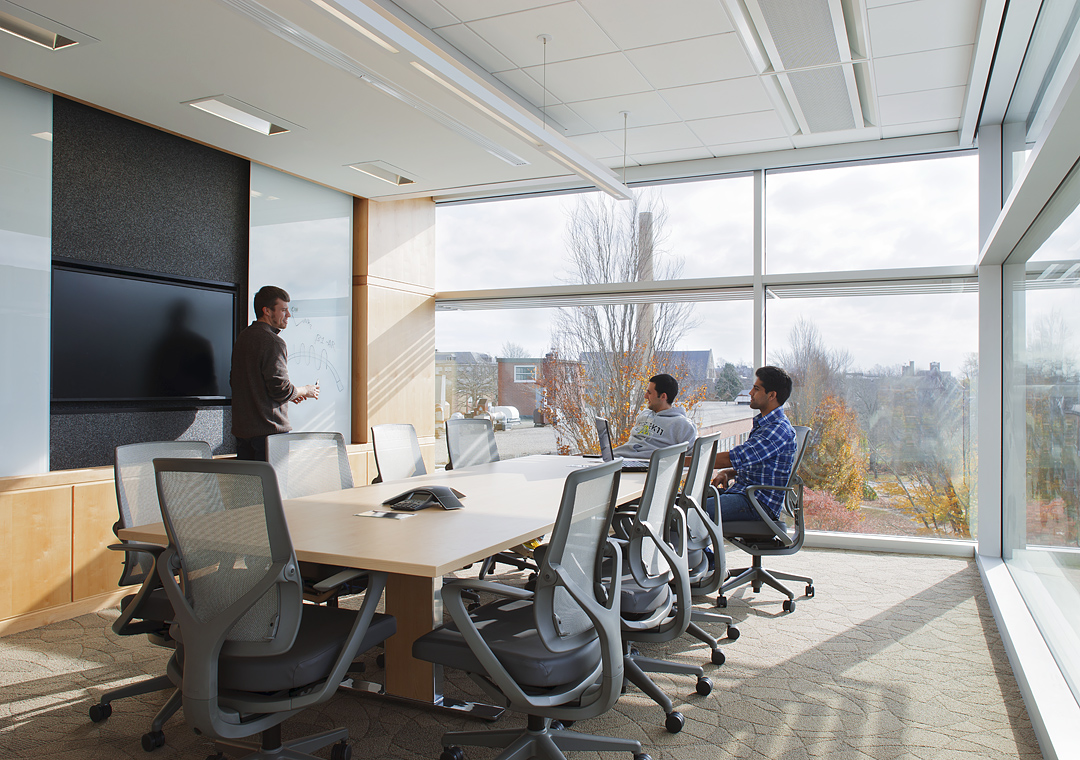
(127, 336)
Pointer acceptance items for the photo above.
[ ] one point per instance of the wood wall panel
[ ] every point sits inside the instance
(94, 569)
(35, 550)
(394, 316)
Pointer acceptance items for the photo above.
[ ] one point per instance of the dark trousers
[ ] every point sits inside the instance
(251, 449)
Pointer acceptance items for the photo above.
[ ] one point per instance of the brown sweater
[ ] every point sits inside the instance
(260, 383)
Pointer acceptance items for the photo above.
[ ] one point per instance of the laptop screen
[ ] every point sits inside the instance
(604, 435)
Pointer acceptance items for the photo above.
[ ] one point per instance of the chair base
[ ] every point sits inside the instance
(757, 576)
(538, 740)
(155, 737)
(272, 748)
(636, 669)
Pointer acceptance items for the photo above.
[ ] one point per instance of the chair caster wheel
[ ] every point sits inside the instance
(789, 605)
(810, 591)
(674, 722)
(704, 686)
(721, 601)
(341, 751)
(643, 756)
(718, 657)
(452, 753)
(153, 740)
(100, 712)
(380, 661)
(732, 633)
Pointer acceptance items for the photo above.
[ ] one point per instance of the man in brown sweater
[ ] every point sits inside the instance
(260, 378)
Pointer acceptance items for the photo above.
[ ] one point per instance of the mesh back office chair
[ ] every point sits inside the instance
(250, 653)
(769, 537)
(470, 442)
(655, 602)
(554, 653)
(703, 537)
(397, 452)
(148, 611)
(306, 464)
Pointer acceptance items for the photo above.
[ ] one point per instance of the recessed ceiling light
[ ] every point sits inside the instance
(47, 136)
(355, 25)
(384, 171)
(33, 27)
(239, 112)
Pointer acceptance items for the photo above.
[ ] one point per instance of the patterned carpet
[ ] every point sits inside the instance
(897, 656)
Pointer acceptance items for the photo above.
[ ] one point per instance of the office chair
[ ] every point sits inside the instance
(769, 537)
(470, 442)
(703, 536)
(555, 653)
(148, 611)
(306, 464)
(397, 452)
(655, 603)
(250, 653)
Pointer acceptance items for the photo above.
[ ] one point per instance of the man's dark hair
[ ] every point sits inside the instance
(775, 379)
(667, 385)
(268, 296)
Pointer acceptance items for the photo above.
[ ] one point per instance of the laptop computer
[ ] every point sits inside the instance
(604, 433)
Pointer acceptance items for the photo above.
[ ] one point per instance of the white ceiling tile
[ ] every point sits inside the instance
(738, 128)
(922, 25)
(428, 12)
(731, 96)
(864, 134)
(475, 47)
(652, 139)
(573, 35)
(921, 128)
(470, 10)
(667, 156)
(564, 120)
(598, 146)
(646, 109)
(752, 146)
(930, 70)
(705, 59)
(930, 105)
(638, 23)
(525, 86)
(601, 76)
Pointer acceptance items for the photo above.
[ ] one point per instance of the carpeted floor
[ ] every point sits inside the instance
(897, 656)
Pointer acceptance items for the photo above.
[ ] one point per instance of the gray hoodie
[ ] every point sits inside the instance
(655, 430)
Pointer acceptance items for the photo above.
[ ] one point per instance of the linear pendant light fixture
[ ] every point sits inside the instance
(244, 114)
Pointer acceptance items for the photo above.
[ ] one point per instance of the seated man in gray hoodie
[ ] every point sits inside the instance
(661, 424)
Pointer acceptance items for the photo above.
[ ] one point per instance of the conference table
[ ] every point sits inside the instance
(506, 503)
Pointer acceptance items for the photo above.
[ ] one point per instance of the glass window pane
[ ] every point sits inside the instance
(699, 229)
(873, 216)
(891, 399)
(484, 354)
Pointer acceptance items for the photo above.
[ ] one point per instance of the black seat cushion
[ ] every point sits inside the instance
(637, 601)
(322, 634)
(509, 629)
(156, 607)
(751, 529)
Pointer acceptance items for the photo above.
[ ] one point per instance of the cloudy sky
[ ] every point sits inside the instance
(883, 216)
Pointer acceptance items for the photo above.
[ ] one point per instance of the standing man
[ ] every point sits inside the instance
(661, 424)
(260, 379)
(765, 458)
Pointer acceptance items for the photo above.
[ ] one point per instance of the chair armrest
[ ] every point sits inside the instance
(138, 546)
(337, 579)
(769, 520)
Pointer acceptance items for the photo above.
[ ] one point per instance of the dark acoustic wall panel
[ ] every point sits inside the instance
(130, 196)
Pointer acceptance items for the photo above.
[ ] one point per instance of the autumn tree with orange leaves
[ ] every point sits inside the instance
(603, 355)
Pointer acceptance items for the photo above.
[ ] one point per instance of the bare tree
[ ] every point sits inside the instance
(474, 381)
(511, 350)
(617, 346)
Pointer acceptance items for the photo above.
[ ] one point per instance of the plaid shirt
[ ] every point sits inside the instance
(765, 459)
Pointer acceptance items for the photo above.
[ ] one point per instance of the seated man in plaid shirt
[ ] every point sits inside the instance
(764, 459)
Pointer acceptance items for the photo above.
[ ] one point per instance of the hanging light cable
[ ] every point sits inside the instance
(625, 119)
